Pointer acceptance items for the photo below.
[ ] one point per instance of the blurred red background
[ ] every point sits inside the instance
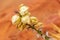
(45, 10)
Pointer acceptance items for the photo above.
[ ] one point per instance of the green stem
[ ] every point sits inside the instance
(35, 29)
(46, 37)
(18, 13)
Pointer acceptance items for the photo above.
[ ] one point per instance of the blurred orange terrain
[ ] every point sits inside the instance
(46, 11)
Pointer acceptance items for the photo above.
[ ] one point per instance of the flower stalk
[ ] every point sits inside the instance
(23, 19)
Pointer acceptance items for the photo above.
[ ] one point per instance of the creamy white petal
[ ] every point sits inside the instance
(15, 18)
(25, 19)
(23, 9)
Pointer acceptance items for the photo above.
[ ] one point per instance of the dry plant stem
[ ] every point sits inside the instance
(55, 27)
(57, 35)
(54, 35)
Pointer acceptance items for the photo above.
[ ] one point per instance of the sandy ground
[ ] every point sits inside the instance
(45, 10)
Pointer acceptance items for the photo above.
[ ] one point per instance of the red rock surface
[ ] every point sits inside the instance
(45, 10)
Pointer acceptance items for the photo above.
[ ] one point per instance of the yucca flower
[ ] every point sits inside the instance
(23, 9)
(16, 19)
(25, 19)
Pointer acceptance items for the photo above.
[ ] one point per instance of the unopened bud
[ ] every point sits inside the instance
(33, 20)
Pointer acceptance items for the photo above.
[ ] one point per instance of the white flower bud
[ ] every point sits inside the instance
(23, 9)
(15, 19)
(25, 19)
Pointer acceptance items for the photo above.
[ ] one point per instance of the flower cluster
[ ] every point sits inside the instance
(24, 20)
(23, 17)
